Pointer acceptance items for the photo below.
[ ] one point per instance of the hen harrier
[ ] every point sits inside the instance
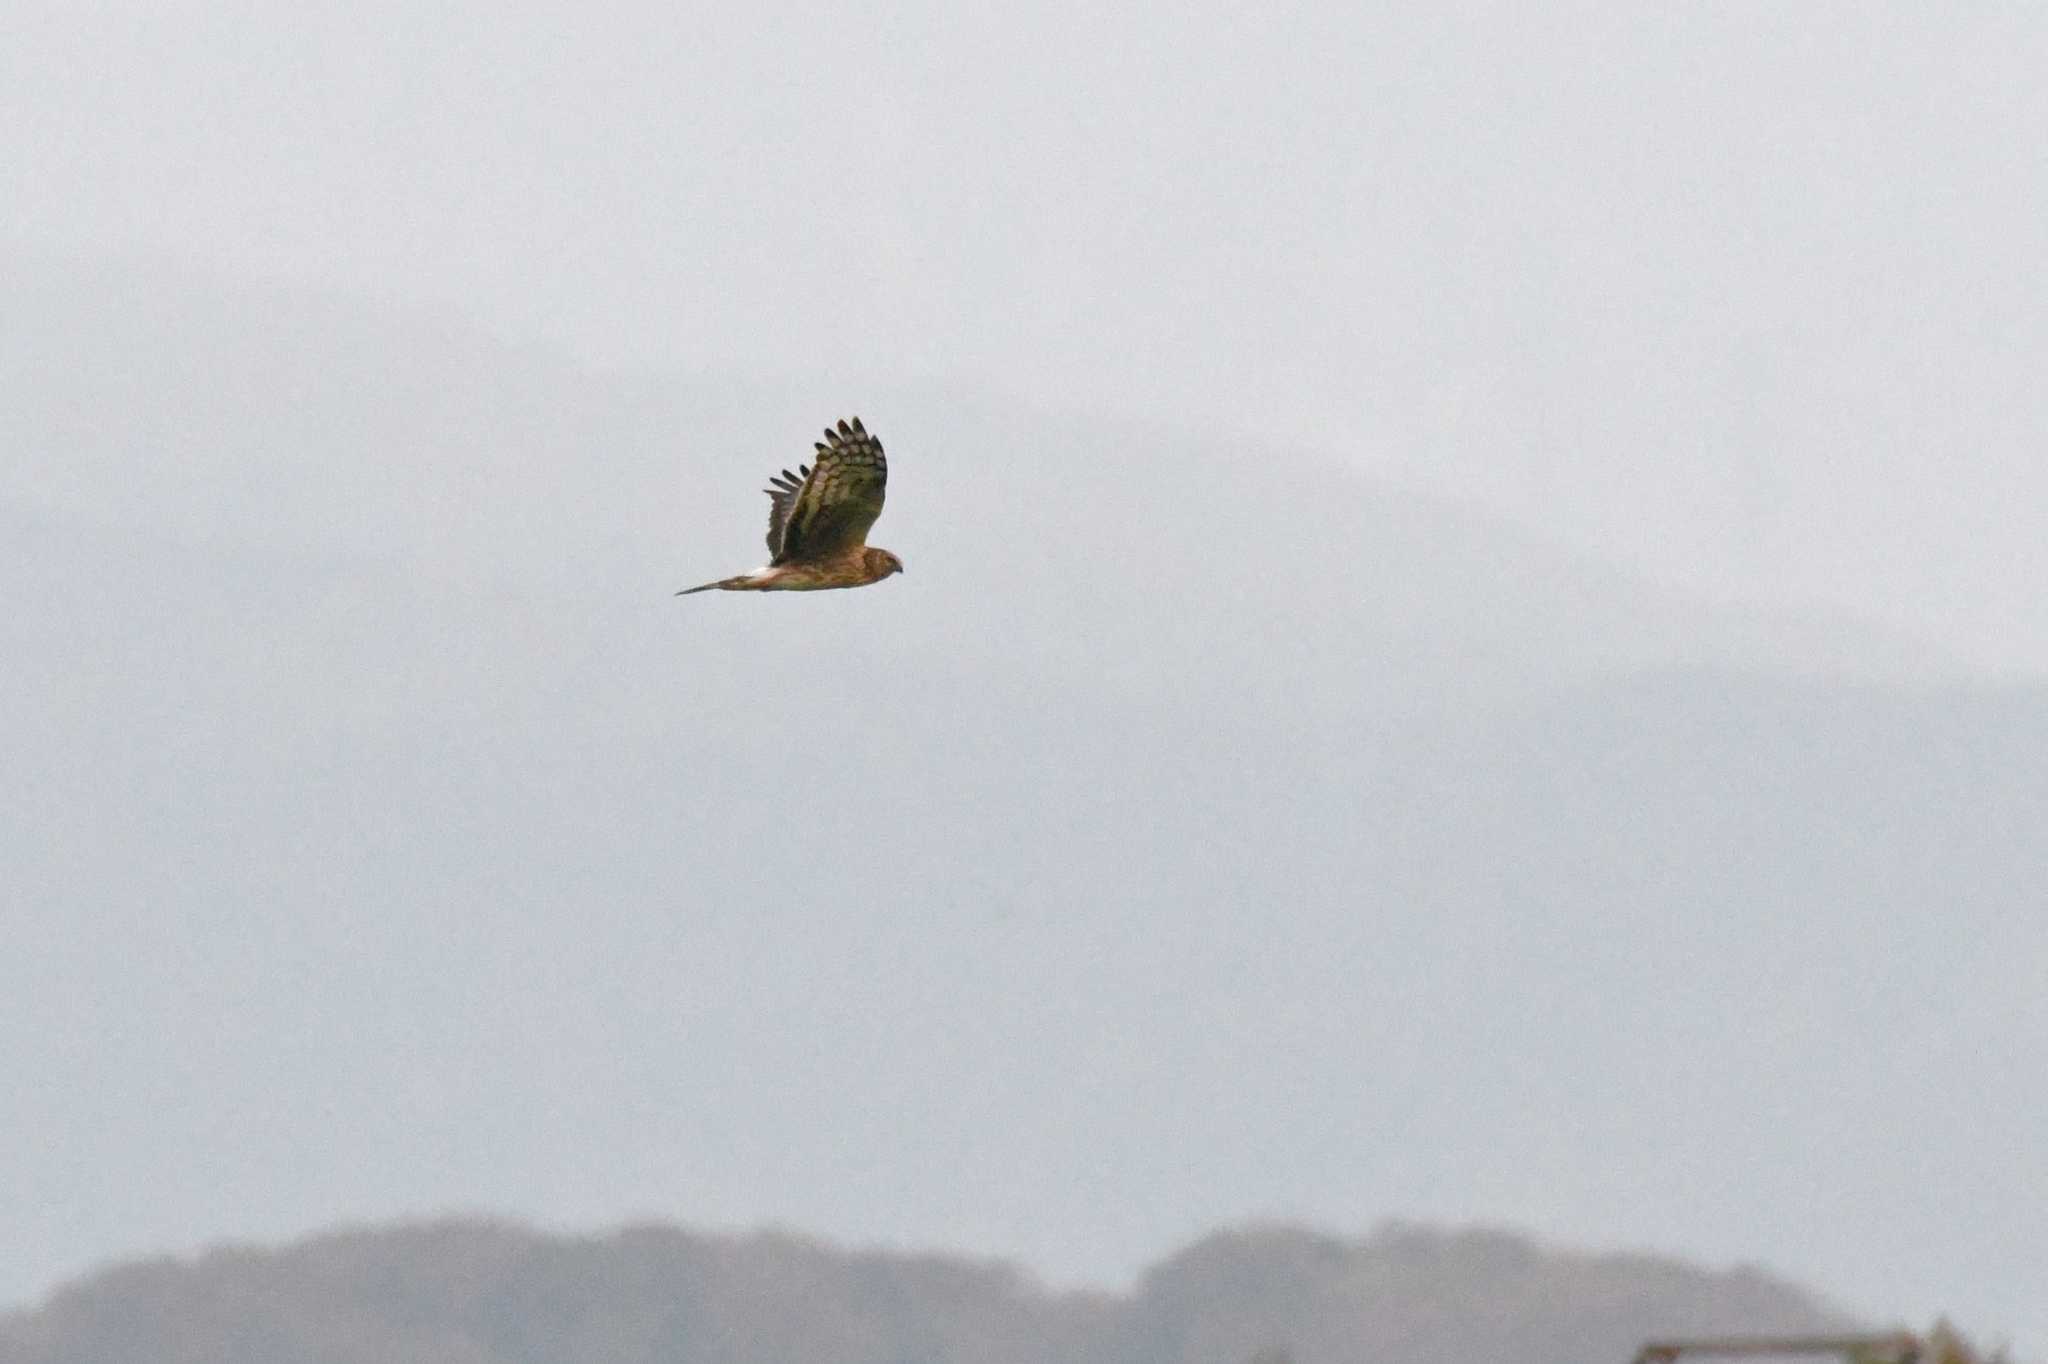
(818, 519)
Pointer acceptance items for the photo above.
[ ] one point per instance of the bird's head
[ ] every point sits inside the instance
(881, 563)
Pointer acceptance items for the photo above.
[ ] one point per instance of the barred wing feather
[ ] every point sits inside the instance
(831, 508)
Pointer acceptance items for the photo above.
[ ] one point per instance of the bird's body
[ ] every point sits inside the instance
(818, 520)
(856, 567)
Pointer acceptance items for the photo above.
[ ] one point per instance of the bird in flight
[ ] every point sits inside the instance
(818, 520)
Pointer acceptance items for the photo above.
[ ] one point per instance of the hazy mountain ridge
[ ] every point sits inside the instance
(369, 816)
(284, 794)
(474, 1292)
(300, 421)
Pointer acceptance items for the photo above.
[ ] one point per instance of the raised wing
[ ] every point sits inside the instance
(837, 501)
(782, 490)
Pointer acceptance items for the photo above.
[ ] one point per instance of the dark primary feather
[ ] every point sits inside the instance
(832, 507)
(782, 490)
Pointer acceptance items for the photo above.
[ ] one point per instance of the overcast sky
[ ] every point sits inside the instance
(1746, 295)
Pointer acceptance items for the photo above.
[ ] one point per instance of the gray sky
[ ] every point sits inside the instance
(1743, 298)
(1744, 292)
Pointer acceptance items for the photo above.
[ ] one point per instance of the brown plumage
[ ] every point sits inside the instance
(818, 520)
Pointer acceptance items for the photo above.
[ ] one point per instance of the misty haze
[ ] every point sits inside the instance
(1456, 772)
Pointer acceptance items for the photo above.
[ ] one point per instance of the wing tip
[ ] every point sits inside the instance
(848, 428)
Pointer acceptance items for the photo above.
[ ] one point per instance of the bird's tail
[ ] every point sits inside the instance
(739, 584)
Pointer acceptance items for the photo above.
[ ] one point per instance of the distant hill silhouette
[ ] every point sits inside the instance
(475, 1292)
